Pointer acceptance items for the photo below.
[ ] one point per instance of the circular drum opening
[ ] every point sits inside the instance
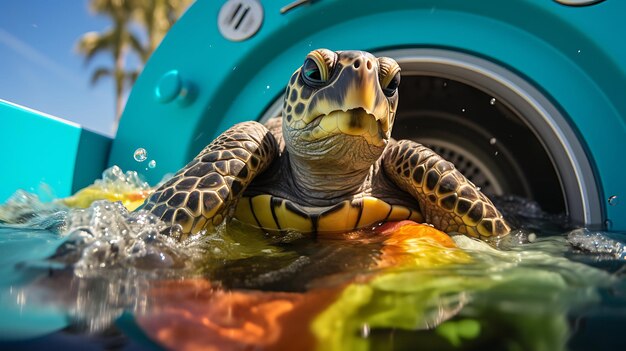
(500, 131)
(485, 139)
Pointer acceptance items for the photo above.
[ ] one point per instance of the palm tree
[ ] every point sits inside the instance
(157, 17)
(117, 40)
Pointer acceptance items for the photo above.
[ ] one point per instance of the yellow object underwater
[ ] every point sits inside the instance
(84, 197)
(414, 245)
(115, 185)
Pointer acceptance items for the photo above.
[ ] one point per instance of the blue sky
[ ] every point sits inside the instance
(40, 68)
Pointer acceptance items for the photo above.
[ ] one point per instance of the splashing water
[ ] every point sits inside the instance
(24, 208)
(597, 243)
(107, 236)
(115, 180)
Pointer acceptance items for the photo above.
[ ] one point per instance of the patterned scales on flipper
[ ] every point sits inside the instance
(447, 199)
(206, 190)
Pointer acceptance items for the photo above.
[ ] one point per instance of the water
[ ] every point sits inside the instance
(106, 277)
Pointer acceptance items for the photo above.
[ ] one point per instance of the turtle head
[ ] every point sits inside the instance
(340, 106)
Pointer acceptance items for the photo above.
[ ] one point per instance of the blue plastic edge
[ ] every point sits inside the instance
(47, 155)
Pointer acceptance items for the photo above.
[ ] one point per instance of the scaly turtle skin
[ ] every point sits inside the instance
(328, 164)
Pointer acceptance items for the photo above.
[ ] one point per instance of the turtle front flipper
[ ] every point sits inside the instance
(447, 199)
(202, 193)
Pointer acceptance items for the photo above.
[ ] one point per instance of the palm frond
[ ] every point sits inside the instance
(92, 43)
(99, 73)
(136, 45)
(131, 77)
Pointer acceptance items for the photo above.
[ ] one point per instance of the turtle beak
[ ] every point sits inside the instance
(356, 88)
(365, 92)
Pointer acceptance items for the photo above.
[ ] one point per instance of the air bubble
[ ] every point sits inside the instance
(140, 154)
(152, 164)
(613, 200)
(463, 110)
(492, 101)
(267, 87)
(493, 141)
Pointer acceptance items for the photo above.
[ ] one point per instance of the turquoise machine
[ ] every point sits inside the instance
(526, 97)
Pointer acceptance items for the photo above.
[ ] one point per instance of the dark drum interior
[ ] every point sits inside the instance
(483, 136)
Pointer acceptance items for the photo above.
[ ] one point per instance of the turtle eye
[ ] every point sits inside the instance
(389, 75)
(311, 72)
(317, 67)
(392, 85)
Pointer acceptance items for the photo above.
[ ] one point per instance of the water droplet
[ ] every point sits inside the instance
(493, 141)
(578, 51)
(176, 231)
(267, 87)
(613, 200)
(495, 153)
(445, 84)
(365, 330)
(140, 154)
(492, 101)
(234, 68)
(463, 110)
(152, 164)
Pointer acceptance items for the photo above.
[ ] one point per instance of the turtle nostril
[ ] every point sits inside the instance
(357, 63)
(369, 64)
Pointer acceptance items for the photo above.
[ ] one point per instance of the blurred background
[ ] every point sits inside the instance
(78, 59)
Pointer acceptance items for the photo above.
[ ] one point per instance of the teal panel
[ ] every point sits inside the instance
(91, 158)
(46, 155)
(570, 53)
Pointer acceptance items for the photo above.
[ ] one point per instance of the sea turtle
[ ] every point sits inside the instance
(327, 164)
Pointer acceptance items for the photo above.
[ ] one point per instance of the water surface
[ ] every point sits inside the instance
(104, 277)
